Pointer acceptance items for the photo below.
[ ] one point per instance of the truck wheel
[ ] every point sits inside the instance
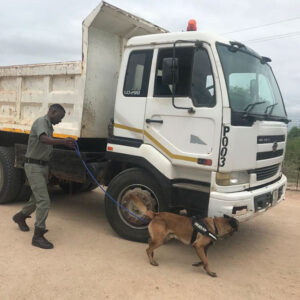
(10, 177)
(25, 190)
(144, 185)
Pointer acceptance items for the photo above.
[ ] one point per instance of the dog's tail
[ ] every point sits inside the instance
(140, 205)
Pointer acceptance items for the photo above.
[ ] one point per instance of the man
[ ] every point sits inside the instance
(37, 157)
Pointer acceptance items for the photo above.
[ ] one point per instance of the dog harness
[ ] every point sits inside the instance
(200, 226)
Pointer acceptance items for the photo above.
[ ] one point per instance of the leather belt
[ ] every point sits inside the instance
(35, 161)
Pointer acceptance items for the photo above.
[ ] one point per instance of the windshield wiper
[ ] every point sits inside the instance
(250, 106)
(272, 107)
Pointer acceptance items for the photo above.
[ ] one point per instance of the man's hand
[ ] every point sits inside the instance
(69, 142)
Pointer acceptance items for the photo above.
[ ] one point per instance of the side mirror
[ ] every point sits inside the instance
(170, 69)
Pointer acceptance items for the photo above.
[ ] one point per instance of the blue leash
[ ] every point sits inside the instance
(107, 194)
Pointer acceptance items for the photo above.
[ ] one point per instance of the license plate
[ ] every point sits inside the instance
(274, 196)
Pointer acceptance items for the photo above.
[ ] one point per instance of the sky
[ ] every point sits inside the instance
(41, 31)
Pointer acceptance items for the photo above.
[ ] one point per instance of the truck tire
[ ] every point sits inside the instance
(10, 177)
(143, 185)
(25, 190)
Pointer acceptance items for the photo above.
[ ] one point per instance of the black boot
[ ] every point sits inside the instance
(20, 219)
(38, 239)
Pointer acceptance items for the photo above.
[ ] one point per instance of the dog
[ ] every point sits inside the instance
(165, 226)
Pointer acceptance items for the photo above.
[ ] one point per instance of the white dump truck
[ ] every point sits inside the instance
(189, 121)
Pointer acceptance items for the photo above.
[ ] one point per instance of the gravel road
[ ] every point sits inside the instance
(89, 261)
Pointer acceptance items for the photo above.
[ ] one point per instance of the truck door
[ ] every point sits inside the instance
(188, 134)
(132, 94)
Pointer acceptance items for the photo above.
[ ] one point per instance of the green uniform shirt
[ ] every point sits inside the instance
(36, 149)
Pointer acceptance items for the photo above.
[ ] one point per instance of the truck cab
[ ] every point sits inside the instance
(204, 116)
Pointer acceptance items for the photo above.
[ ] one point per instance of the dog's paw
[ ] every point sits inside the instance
(212, 274)
(198, 264)
(154, 263)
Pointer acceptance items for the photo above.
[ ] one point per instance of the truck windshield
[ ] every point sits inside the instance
(250, 83)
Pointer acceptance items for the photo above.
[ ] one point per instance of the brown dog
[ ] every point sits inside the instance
(165, 226)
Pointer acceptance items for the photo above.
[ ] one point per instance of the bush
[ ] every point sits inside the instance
(291, 166)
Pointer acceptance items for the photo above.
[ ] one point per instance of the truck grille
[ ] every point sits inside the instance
(266, 172)
(269, 154)
(267, 139)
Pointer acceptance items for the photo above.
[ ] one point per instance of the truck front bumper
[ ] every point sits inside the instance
(247, 204)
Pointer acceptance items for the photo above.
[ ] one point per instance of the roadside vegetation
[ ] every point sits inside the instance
(291, 167)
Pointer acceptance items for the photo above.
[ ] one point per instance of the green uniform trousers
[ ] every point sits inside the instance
(40, 201)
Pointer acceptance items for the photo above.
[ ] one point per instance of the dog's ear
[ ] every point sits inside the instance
(226, 216)
(234, 223)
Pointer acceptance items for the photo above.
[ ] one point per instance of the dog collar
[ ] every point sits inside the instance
(200, 226)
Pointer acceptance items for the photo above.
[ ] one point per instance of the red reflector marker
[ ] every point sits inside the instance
(110, 148)
(208, 162)
(192, 25)
(205, 162)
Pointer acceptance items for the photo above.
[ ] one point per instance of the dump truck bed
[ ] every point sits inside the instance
(27, 91)
(86, 88)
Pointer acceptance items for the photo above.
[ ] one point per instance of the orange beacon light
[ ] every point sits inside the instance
(192, 25)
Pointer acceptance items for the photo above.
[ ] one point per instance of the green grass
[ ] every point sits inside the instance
(291, 166)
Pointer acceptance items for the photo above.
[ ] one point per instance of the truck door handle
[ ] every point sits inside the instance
(154, 121)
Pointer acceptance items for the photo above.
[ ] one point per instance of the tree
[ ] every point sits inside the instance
(294, 132)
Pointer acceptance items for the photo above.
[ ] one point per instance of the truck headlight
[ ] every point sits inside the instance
(232, 178)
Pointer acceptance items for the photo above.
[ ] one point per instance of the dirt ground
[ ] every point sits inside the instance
(89, 261)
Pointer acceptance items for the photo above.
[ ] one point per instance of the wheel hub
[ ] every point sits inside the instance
(126, 200)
